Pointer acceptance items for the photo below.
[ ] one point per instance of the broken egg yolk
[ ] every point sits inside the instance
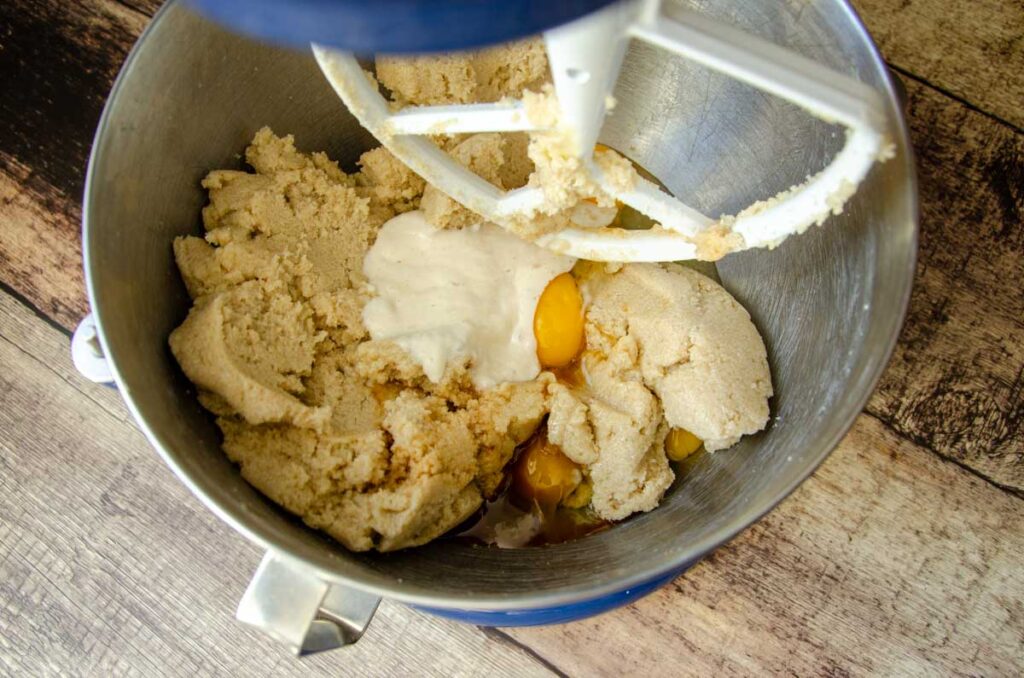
(543, 474)
(558, 322)
(680, 444)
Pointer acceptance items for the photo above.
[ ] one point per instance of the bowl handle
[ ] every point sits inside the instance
(290, 603)
(87, 353)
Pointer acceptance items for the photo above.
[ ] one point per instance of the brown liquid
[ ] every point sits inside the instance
(572, 374)
(505, 525)
(514, 520)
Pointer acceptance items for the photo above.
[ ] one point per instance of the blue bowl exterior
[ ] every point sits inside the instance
(393, 26)
(558, 614)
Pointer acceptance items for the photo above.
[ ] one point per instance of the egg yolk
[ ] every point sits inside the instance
(680, 444)
(544, 474)
(558, 322)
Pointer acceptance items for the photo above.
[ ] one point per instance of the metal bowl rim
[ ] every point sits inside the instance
(418, 595)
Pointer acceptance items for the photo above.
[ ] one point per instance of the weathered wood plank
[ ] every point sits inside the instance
(38, 256)
(57, 62)
(147, 7)
(886, 562)
(108, 566)
(973, 49)
(955, 382)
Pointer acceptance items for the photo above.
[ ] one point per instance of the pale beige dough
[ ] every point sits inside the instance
(465, 77)
(348, 432)
(341, 430)
(666, 347)
(501, 159)
(614, 428)
(698, 349)
(484, 76)
(546, 160)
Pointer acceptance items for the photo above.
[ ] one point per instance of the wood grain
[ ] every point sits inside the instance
(57, 61)
(974, 49)
(108, 566)
(147, 7)
(882, 563)
(955, 381)
(886, 561)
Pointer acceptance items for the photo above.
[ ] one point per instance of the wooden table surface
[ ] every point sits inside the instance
(902, 555)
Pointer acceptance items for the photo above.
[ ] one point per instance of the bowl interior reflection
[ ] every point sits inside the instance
(829, 303)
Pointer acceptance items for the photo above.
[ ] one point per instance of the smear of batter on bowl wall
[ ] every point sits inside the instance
(384, 365)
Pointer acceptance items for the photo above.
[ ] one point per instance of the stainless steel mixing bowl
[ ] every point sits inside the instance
(829, 303)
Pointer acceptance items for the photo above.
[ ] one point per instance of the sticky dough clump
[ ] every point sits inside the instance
(507, 160)
(698, 350)
(667, 348)
(347, 431)
(339, 429)
(486, 75)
